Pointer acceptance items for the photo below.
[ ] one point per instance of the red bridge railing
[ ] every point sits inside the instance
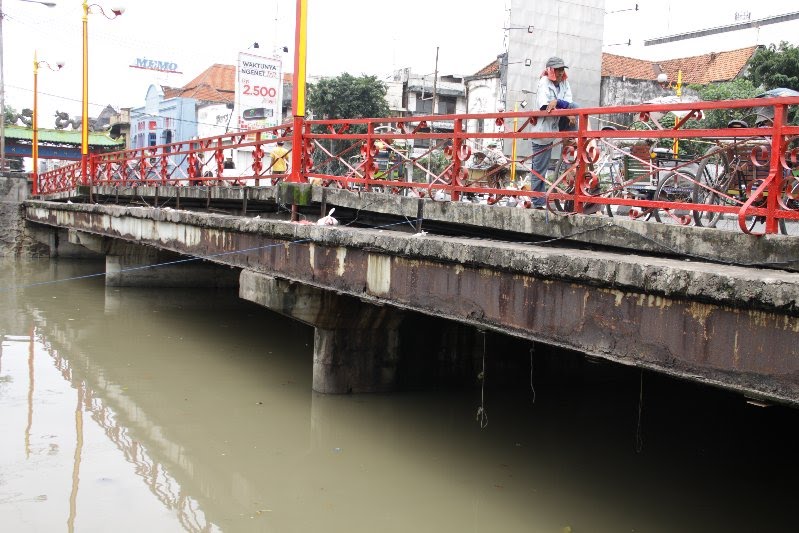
(738, 176)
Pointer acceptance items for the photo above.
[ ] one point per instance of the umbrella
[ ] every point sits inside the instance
(766, 113)
(779, 91)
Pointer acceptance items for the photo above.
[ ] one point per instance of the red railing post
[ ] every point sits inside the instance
(298, 150)
(457, 141)
(219, 155)
(775, 169)
(257, 155)
(580, 155)
(369, 150)
(92, 169)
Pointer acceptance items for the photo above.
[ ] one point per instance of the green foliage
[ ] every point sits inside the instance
(341, 97)
(348, 97)
(775, 66)
(687, 147)
(436, 161)
(9, 114)
(728, 90)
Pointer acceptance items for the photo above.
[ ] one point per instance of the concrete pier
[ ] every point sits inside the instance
(133, 265)
(355, 342)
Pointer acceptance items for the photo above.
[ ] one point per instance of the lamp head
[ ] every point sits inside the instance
(117, 10)
(523, 104)
(663, 77)
(59, 65)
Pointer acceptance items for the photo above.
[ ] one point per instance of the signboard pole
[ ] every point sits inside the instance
(298, 98)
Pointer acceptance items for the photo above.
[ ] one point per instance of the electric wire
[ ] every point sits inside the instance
(175, 262)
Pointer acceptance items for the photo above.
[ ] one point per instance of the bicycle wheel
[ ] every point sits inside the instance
(611, 181)
(676, 187)
(713, 179)
(789, 200)
(607, 169)
(564, 186)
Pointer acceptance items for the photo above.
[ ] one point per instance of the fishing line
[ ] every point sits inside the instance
(482, 416)
(176, 262)
(639, 435)
(532, 387)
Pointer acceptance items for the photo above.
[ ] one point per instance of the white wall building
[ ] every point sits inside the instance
(570, 29)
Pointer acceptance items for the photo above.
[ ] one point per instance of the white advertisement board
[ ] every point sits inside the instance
(259, 88)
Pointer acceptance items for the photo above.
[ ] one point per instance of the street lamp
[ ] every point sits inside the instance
(35, 144)
(663, 81)
(84, 125)
(2, 85)
(516, 104)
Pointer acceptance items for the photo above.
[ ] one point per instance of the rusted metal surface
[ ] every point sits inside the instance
(728, 327)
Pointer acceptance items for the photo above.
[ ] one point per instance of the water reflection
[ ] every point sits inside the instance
(182, 410)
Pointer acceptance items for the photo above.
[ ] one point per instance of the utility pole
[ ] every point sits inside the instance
(435, 83)
(2, 98)
(433, 111)
(3, 85)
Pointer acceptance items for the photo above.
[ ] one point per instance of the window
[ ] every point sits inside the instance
(166, 137)
(152, 140)
(424, 106)
(446, 105)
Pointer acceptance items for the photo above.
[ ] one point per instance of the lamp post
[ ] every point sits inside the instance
(663, 80)
(2, 85)
(516, 105)
(84, 124)
(35, 143)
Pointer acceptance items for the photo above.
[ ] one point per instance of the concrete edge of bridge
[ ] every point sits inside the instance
(737, 286)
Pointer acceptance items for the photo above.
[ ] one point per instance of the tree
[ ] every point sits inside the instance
(10, 114)
(775, 66)
(348, 97)
(729, 90)
(345, 97)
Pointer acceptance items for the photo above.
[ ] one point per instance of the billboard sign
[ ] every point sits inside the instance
(259, 92)
(160, 66)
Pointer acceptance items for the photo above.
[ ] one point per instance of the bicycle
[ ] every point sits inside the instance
(730, 173)
(638, 171)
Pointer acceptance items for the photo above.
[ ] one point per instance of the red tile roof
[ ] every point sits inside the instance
(217, 83)
(488, 70)
(704, 69)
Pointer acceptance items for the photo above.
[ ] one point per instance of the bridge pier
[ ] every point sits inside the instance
(17, 239)
(356, 344)
(133, 265)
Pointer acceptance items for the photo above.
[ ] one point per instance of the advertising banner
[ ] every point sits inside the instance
(259, 88)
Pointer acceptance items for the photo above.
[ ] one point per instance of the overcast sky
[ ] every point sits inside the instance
(355, 36)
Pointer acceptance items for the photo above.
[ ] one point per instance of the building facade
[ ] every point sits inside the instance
(162, 120)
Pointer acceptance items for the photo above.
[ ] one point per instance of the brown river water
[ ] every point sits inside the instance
(139, 410)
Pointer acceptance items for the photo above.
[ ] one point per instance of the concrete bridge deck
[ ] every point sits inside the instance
(721, 324)
(461, 218)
